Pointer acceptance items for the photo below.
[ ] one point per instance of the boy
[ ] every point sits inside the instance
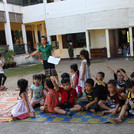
(68, 95)
(128, 108)
(91, 104)
(120, 80)
(2, 75)
(111, 105)
(101, 86)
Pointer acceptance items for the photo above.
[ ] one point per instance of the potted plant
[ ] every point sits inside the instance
(9, 59)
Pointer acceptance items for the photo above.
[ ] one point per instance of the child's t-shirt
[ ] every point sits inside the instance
(1, 68)
(91, 95)
(68, 96)
(102, 91)
(114, 99)
(52, 100)
(130, 99)
(37, 91)
(119, 85)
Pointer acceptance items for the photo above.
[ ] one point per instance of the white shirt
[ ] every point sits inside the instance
(1, 68)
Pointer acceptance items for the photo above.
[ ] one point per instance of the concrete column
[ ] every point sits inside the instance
(59, 39)
(88, 42)
(36, 35)
(42, 29)
(49, 39)
(131, 41)
(8, 27)
(24, 36)
(107, 43)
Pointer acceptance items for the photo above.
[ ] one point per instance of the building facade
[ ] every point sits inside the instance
(104, 28)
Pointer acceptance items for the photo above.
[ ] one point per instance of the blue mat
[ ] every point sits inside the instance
(78, 117)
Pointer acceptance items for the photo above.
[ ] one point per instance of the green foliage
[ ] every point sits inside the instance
(9, 56)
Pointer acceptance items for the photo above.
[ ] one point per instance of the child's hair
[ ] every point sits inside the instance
(75, 68)
(121, 70)
(129, 84)
(132, 75)
(0, 55)
(112, 82)
(65, 75)
(49, 83)
(22, 84)
(85, 54)
(43, 77)
(90, 81)
(65, 80)
(102, 74)
(37, 76)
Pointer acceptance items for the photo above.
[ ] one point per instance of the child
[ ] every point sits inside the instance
(111, 105)
(84, 68)
(120, 80)
(52, 99)
(125, 75)
(128, 108)
(23, 109)
(43, 77)
(65, 75)
(68, 95)
(37, 93)
(91, 94)
(2, 75)
(101, 86)
(75, 79)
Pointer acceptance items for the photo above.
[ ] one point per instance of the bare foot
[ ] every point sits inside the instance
(116, 120)
(93, 111)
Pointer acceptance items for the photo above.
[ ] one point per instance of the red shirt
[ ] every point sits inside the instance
(65, 95)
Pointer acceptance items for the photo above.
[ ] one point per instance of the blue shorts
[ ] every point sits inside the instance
(108, 104)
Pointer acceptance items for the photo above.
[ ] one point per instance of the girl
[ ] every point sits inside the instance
(84, 68)
(37, 93)
(2, 75)
(52, 98)
(23, 109)
(75, 79)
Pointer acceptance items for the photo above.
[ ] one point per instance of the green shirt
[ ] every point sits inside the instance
(46, 51)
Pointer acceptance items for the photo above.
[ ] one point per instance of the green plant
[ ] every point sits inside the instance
(9, 56)
(2, 50)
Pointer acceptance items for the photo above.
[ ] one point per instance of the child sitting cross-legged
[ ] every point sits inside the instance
(52, 97)
(112, 104)
(68, 95)
(91, 104)
(101, 86)
(128, 108)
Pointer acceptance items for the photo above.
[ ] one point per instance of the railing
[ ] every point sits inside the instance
(16, 2)
(24, 2)
(19, 48)
(31, 2)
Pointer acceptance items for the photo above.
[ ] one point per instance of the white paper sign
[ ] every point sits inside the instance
(53, 60)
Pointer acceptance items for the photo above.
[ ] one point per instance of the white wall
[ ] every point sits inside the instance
(33, 13)
(73, 16)
(11, 8)
(20, 59)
